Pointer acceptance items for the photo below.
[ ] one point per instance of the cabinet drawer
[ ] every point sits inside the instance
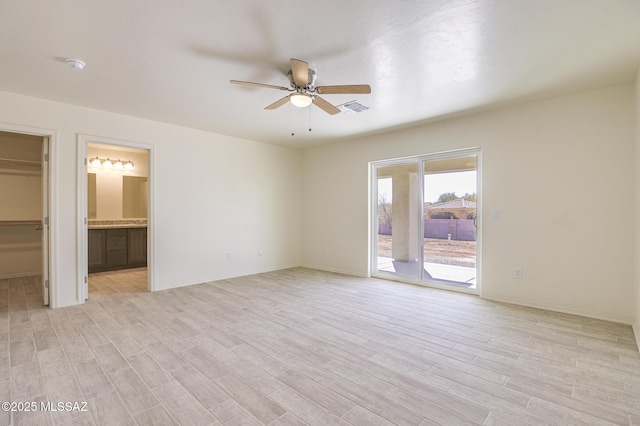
(116, 239)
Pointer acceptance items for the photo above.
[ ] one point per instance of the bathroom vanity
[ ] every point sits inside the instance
(117, 245)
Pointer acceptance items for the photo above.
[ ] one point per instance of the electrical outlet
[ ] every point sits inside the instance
(517, 272)
(260, 252)
(495, 215)
(228, 255)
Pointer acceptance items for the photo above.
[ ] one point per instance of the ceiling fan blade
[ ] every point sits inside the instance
(300, 71)
(325, 106)
(346, 89)
(248, 83)
(278, 103)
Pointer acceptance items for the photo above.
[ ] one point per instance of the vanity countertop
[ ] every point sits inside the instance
(115, 224)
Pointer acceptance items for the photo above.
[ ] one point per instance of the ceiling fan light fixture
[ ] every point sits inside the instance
(301, 100)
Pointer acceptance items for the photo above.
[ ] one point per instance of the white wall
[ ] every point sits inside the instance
(20, 195)
(560, 170)
(213, 194)
(20, 251)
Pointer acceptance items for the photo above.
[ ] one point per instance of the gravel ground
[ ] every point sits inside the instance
(459, 253)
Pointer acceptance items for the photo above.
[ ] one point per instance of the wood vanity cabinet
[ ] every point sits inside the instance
(121, 248)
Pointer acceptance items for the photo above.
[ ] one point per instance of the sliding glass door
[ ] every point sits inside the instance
(398, 217)
(425, 219)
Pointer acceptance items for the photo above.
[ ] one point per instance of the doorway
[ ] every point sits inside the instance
(115, 183)
(24, 218)
(425, 220)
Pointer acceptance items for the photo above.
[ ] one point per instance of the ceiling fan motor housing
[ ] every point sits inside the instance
(310, 85)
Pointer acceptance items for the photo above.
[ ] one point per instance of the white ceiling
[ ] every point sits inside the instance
(171, 60)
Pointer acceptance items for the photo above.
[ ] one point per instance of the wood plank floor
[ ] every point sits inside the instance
(299, 347)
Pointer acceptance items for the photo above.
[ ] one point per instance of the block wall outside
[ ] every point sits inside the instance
(458, 229)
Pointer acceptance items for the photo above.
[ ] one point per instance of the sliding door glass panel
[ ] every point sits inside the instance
(449, 195)
(398, 216)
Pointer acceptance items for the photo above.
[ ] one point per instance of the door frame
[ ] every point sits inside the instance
(82, 242)
(373, 235)
(50, 138)
(44, 196)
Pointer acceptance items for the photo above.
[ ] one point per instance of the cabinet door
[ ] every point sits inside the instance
(97, 255)
(137, 246)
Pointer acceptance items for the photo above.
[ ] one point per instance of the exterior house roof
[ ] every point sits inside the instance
(454, 205)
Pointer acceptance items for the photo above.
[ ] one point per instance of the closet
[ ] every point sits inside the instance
(20, 205)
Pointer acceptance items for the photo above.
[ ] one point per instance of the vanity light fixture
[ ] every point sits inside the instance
(108, 163)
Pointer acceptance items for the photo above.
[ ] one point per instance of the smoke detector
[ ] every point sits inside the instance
(76, 64)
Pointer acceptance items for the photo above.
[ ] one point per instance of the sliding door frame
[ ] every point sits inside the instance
(374, 219)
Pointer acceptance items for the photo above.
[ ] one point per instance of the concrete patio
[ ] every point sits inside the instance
(448, 274)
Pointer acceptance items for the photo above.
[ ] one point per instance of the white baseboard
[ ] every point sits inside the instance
(335, 270)
(559, 309)
(220, 277)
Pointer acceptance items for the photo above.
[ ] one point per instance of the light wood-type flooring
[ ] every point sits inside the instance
(299, 347)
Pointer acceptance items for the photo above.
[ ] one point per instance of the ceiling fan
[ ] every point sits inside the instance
(304, 90)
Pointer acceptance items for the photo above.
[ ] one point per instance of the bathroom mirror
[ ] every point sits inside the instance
(134, 197)
(92, 210)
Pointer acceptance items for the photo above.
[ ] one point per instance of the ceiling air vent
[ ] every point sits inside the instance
(352, 107)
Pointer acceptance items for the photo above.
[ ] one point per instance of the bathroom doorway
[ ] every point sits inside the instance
(115, 181)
